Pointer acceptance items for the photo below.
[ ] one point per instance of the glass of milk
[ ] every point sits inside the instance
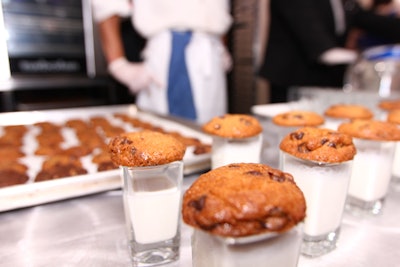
(325, 188)
(371, 176)
(152, 203)
(274, 250)
(236, 150)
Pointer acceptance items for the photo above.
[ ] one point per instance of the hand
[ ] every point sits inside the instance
(135, 76)
(226, 59)
(337, 56)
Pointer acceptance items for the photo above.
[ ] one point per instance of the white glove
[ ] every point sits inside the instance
(338, 55)
(135, 76)
(226, 59)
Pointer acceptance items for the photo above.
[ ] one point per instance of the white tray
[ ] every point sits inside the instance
(35, 193)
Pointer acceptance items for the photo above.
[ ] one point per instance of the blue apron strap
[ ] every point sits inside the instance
(180, 97)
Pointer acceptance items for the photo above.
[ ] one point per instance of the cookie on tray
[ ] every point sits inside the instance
(103, 161)
(388, 105)
(60, 166)
(233, 126)
(12, 172)
(394, 116)
(371, 130)
(319, 144)
(145, 148)
(348, 111)
(243, 199)
(297, 118)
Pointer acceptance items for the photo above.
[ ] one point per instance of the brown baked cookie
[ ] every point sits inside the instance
(145, 148)
(10, 152)
(233, 126)
(371, 130)
(60, 166)
(12, 173)
(348, 111)
(389, 104)
(103, 161)
(319, 144)
(76, 151)
(394, 116)
(243, 199)
(77, 124)
(47, 150)
(11, 177)
(297, 118)
(13, 135)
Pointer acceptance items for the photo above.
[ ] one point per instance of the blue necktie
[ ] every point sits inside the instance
(180, 98)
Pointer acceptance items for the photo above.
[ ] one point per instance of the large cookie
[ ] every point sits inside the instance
(145, 148)
(371, 130)
(299, 118)
(233, 126)
(319, 144)
(348, 111)
(243, 199)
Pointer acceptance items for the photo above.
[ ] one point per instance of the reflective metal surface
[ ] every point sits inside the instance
(90, 231)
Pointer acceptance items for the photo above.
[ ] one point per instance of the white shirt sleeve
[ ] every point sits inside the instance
(103, 9)
(153, 16)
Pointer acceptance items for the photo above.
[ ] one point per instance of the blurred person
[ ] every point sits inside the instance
(360, 39)
(184, 66)
(307, 39)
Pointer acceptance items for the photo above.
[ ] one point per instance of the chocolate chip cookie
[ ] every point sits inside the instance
(243, 199)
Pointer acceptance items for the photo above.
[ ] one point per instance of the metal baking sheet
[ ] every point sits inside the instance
(35, 193)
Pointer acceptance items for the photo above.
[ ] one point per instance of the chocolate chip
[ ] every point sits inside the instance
(302, 148)
(275, 223)
(199, 203)
(133, 150)
(324, 140)
(255, 173)
(278, 178)
(125, 141)
(245, 121)
(297, 135)
(298, 116)
(331, 144)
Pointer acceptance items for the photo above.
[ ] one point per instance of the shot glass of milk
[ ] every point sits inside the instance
(152, 203)
(375, 141)
(320, 160)
(274, 250)
(325, 188)
(237, 138)
(370, 180)
(393, 116)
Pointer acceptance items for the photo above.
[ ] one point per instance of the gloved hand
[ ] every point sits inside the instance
(226, 59)
(135, 76)
(337, 56)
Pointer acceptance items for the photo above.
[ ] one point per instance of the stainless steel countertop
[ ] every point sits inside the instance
(90, 231)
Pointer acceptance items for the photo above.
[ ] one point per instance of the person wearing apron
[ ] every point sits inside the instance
(184, 61)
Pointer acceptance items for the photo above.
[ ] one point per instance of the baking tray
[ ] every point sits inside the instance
(35, 193)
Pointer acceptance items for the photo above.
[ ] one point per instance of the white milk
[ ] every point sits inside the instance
(396, 162)
(148, 209)
(325, 190)
(226, 151)
(281, 251)
(371, 169)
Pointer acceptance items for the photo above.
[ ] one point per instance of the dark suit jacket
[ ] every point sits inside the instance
(301, 30)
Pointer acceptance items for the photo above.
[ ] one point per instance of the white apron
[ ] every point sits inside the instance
(207, 76)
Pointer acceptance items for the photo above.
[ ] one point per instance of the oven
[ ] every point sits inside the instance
(48, 44)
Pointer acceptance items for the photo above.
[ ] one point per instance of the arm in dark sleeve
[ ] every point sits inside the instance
(387, 27)
(309, 23)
